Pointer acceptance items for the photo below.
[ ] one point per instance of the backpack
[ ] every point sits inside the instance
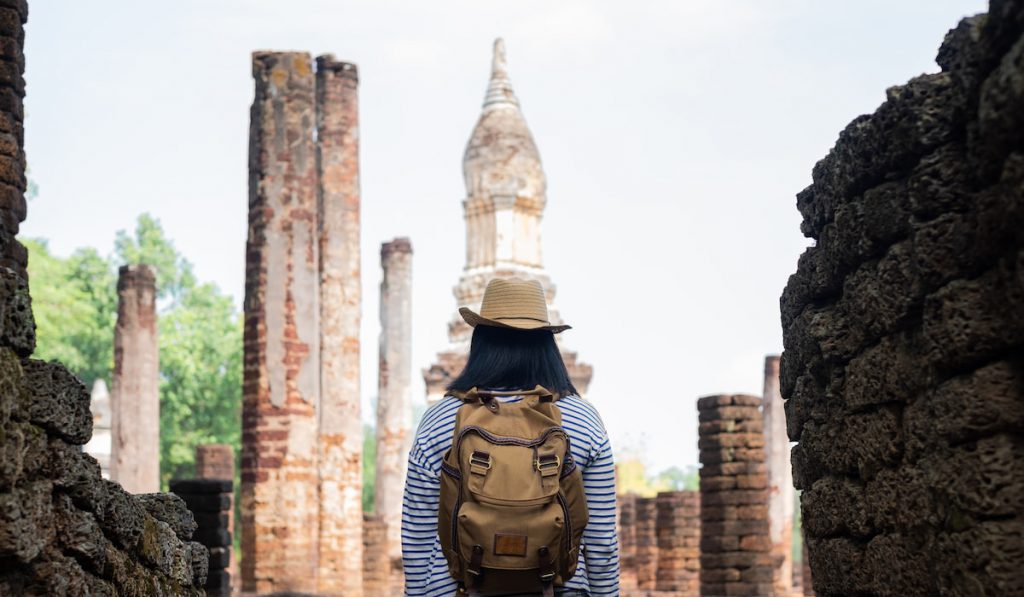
(512, 508)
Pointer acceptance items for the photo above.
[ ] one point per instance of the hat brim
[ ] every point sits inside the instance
(475, 319)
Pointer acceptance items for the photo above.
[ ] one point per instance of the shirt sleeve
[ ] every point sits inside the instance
(419, 524)
(600, 540)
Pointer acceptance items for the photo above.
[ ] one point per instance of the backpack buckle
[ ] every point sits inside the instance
(547, 464)
(479, 462)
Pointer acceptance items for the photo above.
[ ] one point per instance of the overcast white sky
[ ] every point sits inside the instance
(674, 136)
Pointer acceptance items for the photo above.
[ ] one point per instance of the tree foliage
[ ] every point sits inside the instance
(199, 334)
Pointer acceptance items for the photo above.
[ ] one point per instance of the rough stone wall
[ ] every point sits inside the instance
(341, 431)
(394, 395)
(678, 530)
(903, 328)
(64, 530)
(735, 547)
(135, 399)
(209, 500)
(781, 496)
(281, 387)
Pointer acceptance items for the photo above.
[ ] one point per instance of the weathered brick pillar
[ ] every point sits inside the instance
(394, 397)
(217, 462)
(135, 399)
(678, 542)
(341, 428)
(646, 543)
(781, 495)
(627, 541)
(735, 547)
(210, 503)
(376, 563)
(281, 388)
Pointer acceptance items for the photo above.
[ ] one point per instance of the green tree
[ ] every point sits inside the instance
(75, 306)
(677, 479)
(149, 244)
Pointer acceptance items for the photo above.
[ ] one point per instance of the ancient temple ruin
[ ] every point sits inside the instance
(394, 390)
(903, 329)
(64, 529)
(301, 427)
(506, 192)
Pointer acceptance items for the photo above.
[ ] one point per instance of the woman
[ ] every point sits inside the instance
(513, 348)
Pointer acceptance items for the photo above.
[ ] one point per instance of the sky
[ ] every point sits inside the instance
(674, 136)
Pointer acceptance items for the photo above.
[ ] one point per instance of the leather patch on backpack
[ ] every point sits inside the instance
(506, 544)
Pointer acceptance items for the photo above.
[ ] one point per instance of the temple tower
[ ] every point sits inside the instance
(135, 401)
(506, 192)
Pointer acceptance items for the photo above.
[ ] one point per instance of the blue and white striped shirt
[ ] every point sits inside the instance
(426, 570)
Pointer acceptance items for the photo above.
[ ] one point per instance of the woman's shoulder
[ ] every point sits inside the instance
(582, 410)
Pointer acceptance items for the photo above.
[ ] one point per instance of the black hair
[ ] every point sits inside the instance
(512, 359)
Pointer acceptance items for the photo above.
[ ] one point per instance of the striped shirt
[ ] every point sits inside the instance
(426, 570)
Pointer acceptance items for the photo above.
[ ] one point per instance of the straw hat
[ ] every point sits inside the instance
(513, 303)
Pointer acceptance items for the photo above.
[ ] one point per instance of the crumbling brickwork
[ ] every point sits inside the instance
(735, 545)
(376, 563)
(209, 500)
(646, 512)
(394, 394)
(64, 530)
(678, 542)
(781, 495)
(281, 367)
(217, 462)
(903, 329)
(341, 431)
(627, 541)
(135, 399)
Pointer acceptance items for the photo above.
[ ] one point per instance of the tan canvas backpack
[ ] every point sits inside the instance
(513, 508)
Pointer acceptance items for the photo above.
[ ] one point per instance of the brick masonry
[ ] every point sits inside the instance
(341, 432)
(735, 545)
(64, 530)
(281, 367)
(903, 332)
(646, 559)
(135, 397)
(781, 495)
(209, 500)
(217, 462)
(627, 541)
(394, 389)
(678, 532)
(376, 563)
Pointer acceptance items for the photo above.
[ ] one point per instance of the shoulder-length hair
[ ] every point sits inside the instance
(510, 359)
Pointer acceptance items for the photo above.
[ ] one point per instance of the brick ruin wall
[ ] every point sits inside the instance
(904, 332)
(64, 530)
(735, 546)
(678, 534)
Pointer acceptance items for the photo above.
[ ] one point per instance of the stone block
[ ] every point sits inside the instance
(17, 325)
(172, 510)
(26, 521)
(202, 560)
(193, 487)
(59, 402)
(79, 534)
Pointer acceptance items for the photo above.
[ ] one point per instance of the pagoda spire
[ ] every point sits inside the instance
(499, 89)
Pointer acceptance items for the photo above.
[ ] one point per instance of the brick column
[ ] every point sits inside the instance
(394, 402)
(341, 430)
(627, 541)
(281, 388)
(735, 547)
(210, 503)
(217, 462)
(135, 399)
(678, 542)
(646, 543)
(781, 495)
(376, 563)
